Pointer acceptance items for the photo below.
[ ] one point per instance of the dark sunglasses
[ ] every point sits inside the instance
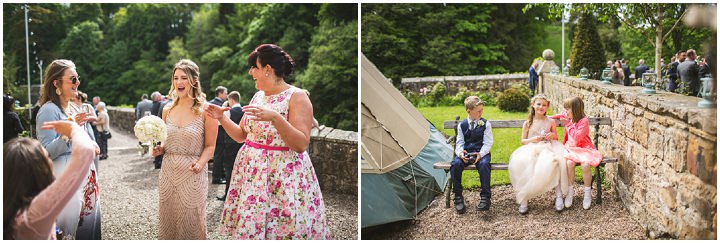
(74, 80)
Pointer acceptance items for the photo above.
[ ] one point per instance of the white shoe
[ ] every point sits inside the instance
(523, 208)
(558, 204)
(587, 199)
(568, 199)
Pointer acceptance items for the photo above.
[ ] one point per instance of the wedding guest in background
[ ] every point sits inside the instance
(103, 126)
(231, 146)
(12, 126)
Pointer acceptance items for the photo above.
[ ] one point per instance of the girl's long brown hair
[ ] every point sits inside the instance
(26, 172)
(575, 104)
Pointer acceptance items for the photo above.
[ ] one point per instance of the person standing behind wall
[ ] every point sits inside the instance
(217, 169)
(689, 73)
(626, 72)
(231, 147)
(533, 79)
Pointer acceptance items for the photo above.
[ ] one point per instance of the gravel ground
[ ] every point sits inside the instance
(129, 198)
(607, 221)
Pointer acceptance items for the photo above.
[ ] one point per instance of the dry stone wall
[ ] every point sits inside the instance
(497, 83)
(667, 150)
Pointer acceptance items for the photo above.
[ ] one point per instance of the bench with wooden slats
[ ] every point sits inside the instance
(452, 124)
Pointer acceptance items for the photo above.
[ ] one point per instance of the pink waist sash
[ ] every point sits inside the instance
(266, 147)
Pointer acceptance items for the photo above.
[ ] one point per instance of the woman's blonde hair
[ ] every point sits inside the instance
(54, 71)
(193, 71)
(531, 115)
(575, 104)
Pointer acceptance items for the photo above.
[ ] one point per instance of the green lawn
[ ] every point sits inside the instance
(506, 140)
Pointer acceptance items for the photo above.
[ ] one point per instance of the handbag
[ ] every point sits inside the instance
(107, 134)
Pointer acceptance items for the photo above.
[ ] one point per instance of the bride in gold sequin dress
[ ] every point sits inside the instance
(183, 182)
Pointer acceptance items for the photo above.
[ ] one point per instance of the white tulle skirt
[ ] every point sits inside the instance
(536, 168)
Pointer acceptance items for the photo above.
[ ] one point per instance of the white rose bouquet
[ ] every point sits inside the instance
(151, 129)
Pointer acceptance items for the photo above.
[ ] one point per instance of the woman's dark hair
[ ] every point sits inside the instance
(8, 103)
(275, 56)
(26, 172)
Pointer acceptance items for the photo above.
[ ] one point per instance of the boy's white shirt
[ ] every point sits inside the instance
(487, 139)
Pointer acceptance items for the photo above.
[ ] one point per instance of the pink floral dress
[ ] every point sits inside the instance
(274, 193)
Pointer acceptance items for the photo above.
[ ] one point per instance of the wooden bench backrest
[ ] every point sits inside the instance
(452, 124)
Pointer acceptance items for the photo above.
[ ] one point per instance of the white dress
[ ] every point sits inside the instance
(535, 168)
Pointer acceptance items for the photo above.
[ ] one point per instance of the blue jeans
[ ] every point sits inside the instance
(483, 168)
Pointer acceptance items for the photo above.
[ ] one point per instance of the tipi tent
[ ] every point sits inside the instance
(398, 148)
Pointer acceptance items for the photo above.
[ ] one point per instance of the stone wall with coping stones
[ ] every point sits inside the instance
(667, 150)
(334, 152)
(496, 83)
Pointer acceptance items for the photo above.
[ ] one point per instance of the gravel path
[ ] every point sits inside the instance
(129, 198)
(607, 221)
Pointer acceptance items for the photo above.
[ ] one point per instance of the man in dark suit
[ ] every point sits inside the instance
(640, 69)
(156, 110)
(533, 78)
(626, 72)
(673, 72)
(689, 73)
(231, 147)
(217, 169)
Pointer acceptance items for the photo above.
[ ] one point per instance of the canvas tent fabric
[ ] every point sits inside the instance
(398, 148)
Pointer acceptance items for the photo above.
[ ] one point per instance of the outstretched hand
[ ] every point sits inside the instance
(62, 127)
(214, 111)
(258, 113)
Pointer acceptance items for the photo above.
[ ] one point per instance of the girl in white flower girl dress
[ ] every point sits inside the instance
(538, 165)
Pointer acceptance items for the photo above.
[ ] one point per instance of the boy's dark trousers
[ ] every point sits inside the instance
(483, 166)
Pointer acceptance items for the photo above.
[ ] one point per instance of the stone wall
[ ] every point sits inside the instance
(496, 83)
(667, 149)
(334, 152)
(122, 118)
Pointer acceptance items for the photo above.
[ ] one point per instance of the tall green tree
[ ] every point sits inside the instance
(82, 45)
(586, 52)
(331, 75)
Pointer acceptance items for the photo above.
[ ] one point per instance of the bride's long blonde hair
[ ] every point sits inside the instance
(196, 93)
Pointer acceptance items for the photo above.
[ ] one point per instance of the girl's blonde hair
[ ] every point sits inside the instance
(531, 115)
(193, 71)
(575, 104)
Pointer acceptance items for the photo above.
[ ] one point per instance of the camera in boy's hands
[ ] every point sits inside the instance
(471, 157)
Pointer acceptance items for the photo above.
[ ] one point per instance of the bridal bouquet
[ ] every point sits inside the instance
(151, 129)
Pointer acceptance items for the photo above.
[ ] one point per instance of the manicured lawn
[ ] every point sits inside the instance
(506, 140)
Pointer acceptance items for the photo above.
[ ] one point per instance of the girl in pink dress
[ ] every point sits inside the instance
(579, 149)
(32, 197)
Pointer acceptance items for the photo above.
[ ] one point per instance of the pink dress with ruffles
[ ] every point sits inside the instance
(578, 146)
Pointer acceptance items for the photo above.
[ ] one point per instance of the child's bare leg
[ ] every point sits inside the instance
(587, 179)
(587, 174)
(571, 182)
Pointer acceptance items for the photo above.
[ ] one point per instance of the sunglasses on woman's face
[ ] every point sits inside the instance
(74, 79)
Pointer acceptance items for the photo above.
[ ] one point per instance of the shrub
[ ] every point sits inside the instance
(437, 93)
(513, 99)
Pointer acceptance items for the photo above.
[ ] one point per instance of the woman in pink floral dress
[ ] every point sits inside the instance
(274, 193)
